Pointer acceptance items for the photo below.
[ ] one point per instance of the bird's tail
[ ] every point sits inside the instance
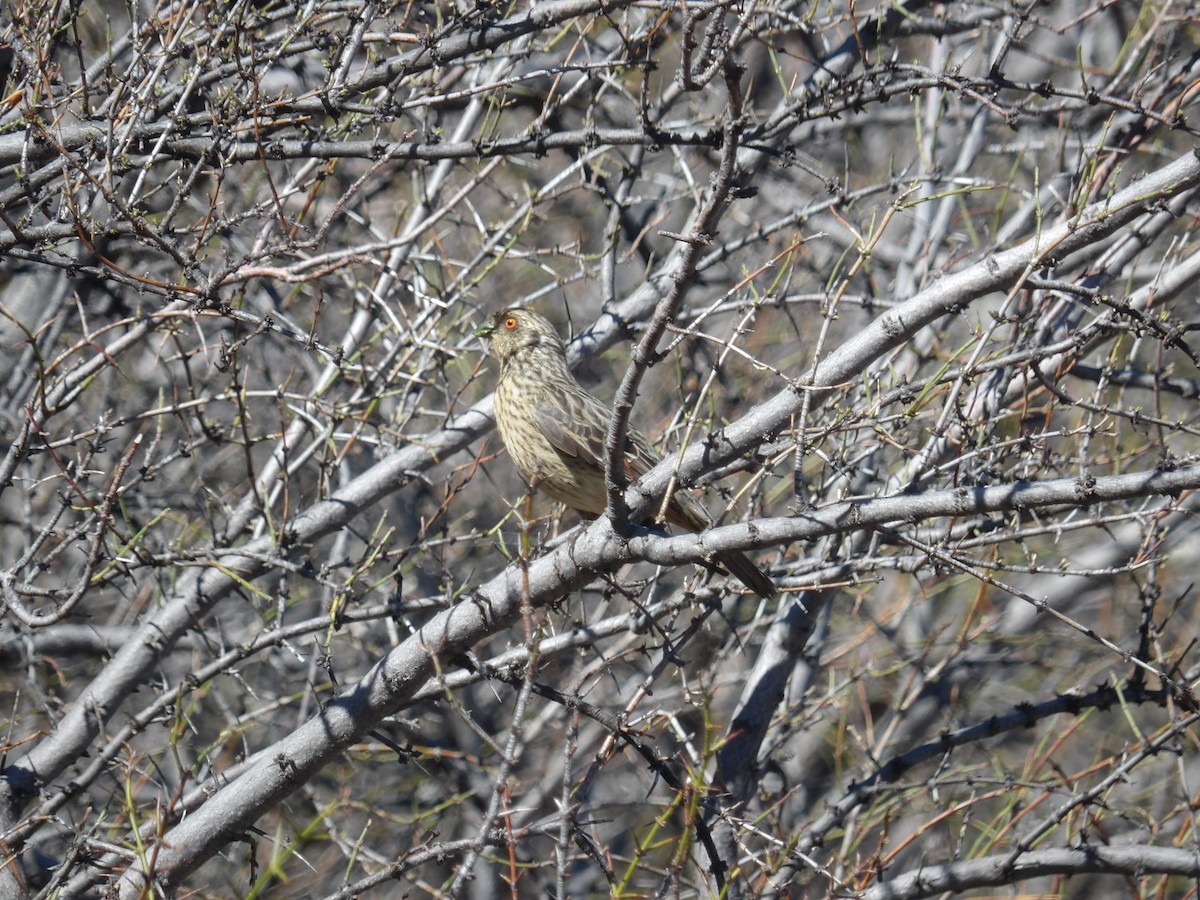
(748, 574)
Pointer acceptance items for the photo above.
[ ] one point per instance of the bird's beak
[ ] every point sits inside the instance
(485, 330)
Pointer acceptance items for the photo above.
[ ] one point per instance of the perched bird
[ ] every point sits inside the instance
(555, 430)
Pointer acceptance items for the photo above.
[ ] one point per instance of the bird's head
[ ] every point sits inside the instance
(514, 333)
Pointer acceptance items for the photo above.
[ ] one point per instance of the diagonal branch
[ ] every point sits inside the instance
(280, 769)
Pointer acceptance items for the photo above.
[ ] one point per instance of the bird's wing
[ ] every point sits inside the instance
(581, 431)
(640, 455)
(573, 435)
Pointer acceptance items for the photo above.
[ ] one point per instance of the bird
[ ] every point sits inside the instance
(555, 431)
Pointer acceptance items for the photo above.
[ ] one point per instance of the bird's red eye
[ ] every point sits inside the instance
(510, 323)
